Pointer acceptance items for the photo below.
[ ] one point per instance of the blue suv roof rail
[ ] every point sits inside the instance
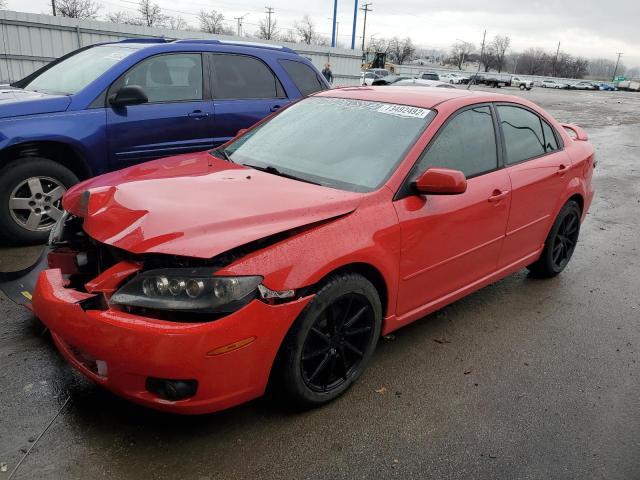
(239, 43)
(145, 40)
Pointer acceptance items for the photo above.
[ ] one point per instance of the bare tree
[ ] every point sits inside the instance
(211, 21)
(267, 30)
(176, 23)
(3, 4)
(401, 51)
(498, 49)
(123, 18)
(151, 14)
(289, 35)
(77, 8)
(460, 52)
(306, 29)
(604, 67)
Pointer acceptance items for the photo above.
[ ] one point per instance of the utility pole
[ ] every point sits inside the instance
(365, 8)
(475, 77)
(239, 20)
(615, 70)
(270, 10)
(53, 7)
(555, 62)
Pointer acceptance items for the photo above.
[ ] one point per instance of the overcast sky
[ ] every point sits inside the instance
(584, 27)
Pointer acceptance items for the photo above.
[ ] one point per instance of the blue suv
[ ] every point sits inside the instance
(108, 106)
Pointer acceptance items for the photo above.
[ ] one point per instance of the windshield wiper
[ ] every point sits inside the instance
(224, 153)
(273, 170)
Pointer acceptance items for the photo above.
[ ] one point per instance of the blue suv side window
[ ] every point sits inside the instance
(241, 76)
(168, 78)
(305, 78)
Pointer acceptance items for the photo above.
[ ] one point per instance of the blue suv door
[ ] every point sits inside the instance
(245, 90)
(177, 118)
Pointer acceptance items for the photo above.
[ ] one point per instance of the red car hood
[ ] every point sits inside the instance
(198, 206)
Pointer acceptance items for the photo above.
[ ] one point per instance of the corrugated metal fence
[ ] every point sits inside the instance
(28, 41)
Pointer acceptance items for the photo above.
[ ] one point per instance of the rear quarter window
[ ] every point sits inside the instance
(305, 78)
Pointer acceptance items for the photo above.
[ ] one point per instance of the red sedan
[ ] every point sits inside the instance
(191, 284)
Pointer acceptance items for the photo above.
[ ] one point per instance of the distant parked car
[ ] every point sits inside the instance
(607, 87)
(452, 77)
(553, 84)
(583, 85)
(109, 106)
(429, 76)
(367, 78)
(381, 72)
(390, 79)
(418, 82)
(521, 83)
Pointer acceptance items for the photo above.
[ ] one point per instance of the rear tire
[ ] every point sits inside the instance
(330, 344)
(31, 192)
(522, 87)
(560, 243)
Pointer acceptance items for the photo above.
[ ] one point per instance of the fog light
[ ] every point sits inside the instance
(172, 389)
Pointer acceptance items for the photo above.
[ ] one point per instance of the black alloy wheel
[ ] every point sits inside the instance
(560, 243)
(330, 343)
(336, 342)
(565, 241)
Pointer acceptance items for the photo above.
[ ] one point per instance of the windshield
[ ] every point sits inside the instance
(76, 72)
(349, 144)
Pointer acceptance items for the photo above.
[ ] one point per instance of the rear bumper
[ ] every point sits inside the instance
(131, 348)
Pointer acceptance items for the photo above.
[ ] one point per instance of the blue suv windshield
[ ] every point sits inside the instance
(76, 72)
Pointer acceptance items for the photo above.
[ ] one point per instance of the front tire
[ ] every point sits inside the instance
(522, 87)
(331, 342)
(560, 243)
(31, 192)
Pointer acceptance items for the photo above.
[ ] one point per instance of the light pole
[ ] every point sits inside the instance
(335, 42)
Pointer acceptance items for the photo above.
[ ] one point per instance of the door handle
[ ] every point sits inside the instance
(498, 195)
(197, 114)
(275, 107)
(562, 169)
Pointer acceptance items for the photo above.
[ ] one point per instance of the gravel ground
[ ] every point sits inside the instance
(523, 379)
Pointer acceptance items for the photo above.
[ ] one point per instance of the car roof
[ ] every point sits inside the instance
(150, 42)
(414, 96)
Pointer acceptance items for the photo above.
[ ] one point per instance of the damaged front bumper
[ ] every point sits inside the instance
(229, 359)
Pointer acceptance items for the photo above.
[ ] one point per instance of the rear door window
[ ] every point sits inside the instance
(305, 77)
(243, 77)
(466, 143)
(526, 135)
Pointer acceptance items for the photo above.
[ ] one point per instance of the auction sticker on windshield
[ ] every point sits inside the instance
(403, 111)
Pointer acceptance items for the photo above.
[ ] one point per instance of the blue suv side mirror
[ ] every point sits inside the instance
(128, 95)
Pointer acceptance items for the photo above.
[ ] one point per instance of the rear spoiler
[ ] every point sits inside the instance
(579, 133)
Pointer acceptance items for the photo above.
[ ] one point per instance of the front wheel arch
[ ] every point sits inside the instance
(59, 152)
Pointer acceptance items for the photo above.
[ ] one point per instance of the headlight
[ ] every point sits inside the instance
(187, 290)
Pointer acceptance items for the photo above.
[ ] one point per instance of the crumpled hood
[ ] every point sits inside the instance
(198, 206)
(17, 102)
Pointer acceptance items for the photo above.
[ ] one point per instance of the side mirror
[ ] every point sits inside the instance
(441, 181)
(241, 132)
(128, 95)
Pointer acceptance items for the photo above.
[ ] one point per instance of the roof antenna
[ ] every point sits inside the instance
(474, 78)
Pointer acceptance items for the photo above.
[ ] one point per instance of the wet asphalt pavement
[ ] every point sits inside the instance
(523, 379)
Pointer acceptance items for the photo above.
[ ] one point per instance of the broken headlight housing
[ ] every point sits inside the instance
(194, 290)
